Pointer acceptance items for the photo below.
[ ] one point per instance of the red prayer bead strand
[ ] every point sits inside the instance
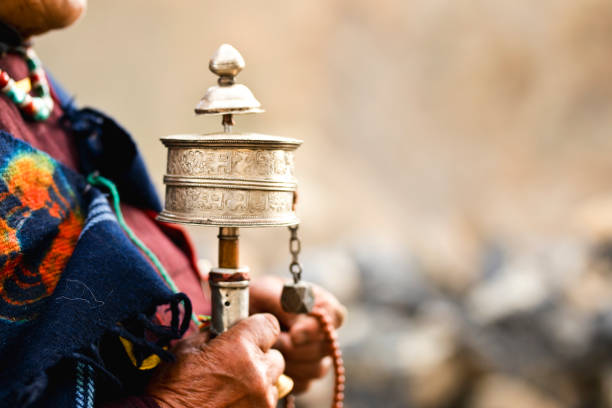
(339, 372)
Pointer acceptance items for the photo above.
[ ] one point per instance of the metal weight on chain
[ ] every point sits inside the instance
(296, 297)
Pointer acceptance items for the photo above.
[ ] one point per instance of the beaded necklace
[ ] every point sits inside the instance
(40, 105)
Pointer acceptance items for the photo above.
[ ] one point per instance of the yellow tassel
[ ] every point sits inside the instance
(147, 364)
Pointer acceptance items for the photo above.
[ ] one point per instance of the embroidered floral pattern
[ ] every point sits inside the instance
(40, 222)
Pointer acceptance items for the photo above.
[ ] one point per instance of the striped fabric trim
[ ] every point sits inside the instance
(85, 387)
(99, 211)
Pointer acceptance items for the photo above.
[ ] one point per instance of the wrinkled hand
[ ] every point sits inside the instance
(302, 343)
(237, 369)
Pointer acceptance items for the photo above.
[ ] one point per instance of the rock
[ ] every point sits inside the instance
(502, 391)
(516, 288)
(441, 385)
(435, 367)
(416, 357)
(594, 218)
(450, 251)
(370, 344)
(390, 275)
(591, 292)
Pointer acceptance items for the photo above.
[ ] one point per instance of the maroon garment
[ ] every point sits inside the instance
(176, 261)
(47, 136)
(169, 244)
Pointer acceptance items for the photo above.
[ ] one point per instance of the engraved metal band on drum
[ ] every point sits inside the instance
(243, 180)
(232, 163)
(228, 207)
(241, 155)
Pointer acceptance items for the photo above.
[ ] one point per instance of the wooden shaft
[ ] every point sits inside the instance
(228, 247)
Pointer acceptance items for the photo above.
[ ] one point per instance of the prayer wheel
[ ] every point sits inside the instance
(232, 180)
(229, 180)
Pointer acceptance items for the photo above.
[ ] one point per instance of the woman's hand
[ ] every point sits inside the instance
(236, 369)
(303, 344)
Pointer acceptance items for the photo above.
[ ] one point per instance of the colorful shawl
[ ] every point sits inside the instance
(71, 283)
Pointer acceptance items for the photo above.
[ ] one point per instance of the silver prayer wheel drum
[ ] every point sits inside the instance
(230, 180)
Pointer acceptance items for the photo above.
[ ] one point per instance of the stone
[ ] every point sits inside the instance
(518, 288)
(502, 391)
(389, 275)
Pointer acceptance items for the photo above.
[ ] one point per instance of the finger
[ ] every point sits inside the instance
(308, 371)
(306, 330)
(314, 351)
(260, 329)
(335, 310)
(340, 315)
(283, 343)
(275, 365)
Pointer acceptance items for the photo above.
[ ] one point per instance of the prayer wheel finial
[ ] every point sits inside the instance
(227, 97)
(227, 63)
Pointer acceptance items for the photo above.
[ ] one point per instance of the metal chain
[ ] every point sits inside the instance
(295, 247)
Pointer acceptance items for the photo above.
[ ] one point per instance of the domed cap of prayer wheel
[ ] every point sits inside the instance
(227, 96)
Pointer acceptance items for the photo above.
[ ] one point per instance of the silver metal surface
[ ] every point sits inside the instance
(226, 61)
(297, 297)
(295, 247)
(236, 99)
(230, 301)
(227, 97)
(239, 180)
(231, 140)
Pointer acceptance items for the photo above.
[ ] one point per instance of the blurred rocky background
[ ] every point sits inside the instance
(455, 181)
